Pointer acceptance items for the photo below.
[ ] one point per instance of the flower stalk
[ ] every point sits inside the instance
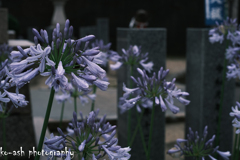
(61, 118)
(141, 132)
(151, 130)
(93, 101)
(129, 111)
(47, 115)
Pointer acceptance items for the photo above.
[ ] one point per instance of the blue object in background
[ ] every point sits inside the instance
(214, 11)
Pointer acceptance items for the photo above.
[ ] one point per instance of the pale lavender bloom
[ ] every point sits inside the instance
(192, 146)
(154, 88)
(56, 142)
(218, 34)
(56, 78)
(63, 57)
(89, 132)
(236, 114)
(233, 71)
(216, 38)
(121, 154)
(103, 85)
(41, 55)
(224, 155)
(80, 83)
(232, 53)
(17, 99)
(63, 97)
(94, 68)
(132, 57)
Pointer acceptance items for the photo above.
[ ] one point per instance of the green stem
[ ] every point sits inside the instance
(235, 146)
(75, 101)
(129, 111)
(151, 130)
(93, 101)
(237, 150)
(221, 99)
(61, 118)
(4, 136)
(141, 132)
(44, 128)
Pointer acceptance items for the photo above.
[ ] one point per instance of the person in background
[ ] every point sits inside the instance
(140, 20)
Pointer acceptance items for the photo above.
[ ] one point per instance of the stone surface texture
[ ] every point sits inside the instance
(203, 82)
(3, 25)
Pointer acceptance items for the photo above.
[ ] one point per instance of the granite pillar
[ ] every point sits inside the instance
(103, 29)
(153, 41)
(203, 82)
(3, 25)
(100, 30)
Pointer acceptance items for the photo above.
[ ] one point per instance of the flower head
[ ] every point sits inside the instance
(132, 57)
(90, 137)
(59, 59)
(236, 114)
(194, 146)
(218, 34)
(154, 88)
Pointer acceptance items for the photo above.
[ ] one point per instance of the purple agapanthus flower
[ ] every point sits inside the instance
(89, 137)
(154, 88)
(222, 31)
(59, 59)
(236, 114)
(132, 57)
(197, 147)
(18, 100)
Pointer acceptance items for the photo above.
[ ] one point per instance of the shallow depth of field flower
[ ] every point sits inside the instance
(89, 139)
(132, 57)
(154, 88)
(236, 114)
(197, 147)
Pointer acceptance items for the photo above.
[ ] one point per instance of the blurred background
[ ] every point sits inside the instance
(174, 15)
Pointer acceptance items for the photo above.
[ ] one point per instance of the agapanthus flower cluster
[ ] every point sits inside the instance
(229, 30)
(197, 147)
(236, 114)
(18, 100)
(63, 56)
(223, 30)
(154, 88)
(90, 138)
(133, 57)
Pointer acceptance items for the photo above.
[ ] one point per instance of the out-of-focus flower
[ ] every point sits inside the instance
(222, 31)
(236, 114)
(154, 88)
(132, 57)
(197, 147)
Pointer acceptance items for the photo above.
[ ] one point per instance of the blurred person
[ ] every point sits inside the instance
(140, 20)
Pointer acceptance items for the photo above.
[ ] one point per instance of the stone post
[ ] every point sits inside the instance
(152, 40)
(3, 25)
(203, 82)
